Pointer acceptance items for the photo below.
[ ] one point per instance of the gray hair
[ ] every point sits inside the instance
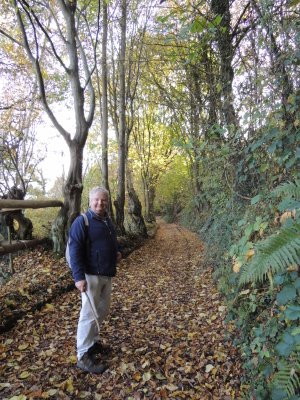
(98, 190)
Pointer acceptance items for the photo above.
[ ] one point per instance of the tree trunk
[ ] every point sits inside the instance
(137, 225)
(151, 213)
(224, 39)
(149, 201)
(104, 105)
(285, 84)
(197, 185)
(122, 127)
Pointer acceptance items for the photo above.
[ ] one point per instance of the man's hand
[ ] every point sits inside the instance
(81, 285)
(119, 257)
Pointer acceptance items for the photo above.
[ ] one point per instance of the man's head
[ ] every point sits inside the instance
(98, 198)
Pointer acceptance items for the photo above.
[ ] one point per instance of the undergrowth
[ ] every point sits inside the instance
(255, 252)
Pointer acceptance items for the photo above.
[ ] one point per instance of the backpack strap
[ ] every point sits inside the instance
(86, 226)
(86, 221)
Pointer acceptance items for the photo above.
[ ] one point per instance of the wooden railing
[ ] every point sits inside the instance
(9, 205)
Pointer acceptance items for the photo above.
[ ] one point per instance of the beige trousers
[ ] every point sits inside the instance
(99, 293)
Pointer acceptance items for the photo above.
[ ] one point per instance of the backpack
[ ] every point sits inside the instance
(67, 253)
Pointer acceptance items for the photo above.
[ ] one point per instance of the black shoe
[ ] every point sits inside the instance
(99, 348)
(87, 364)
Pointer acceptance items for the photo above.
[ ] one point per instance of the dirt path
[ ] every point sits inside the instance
(166, 328)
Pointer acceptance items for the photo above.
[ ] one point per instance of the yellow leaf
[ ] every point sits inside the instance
(73, 359)
(147, 376)
(249, 254)
(245, 291)
(24, 375)
(208, 368)
(237, 267)
(191, 335)
(49, 307)
(171, 387)
(188, 369)
(137, 376)
(24, 293)
(20, 397)
(286, 215)
(84, 395)
(293, 268)
(52, 392)
(10, 302)
(145, 364)
(208, 385)
(23, 346)
(67, 385)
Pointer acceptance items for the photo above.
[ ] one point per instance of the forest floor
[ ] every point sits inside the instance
(166, 328)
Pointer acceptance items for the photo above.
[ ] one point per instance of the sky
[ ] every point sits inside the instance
(57, 156)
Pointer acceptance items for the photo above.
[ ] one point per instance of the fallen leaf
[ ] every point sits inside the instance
(171, 387)
(73, 359)
(52, 392)
(4, 385)
(160, 376)
(147, 376)
(137, 376)
(24, 375)
(23, 346)
(67, 385)
(208, 368)
(48, 307)
(84, 394)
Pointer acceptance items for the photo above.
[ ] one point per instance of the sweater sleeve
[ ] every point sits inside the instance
(77, 247)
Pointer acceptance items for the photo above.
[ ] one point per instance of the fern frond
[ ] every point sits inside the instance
(274, 255)
(287, 378)
(289, 189)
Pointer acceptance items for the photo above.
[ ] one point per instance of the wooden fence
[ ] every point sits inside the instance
(8, 206)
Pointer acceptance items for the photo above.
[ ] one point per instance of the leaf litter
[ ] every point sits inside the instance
(166, 328)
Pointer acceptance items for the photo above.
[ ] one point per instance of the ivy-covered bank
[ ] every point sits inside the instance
(255, 251)
(262, 287)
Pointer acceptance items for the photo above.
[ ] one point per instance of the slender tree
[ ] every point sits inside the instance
(120, 201)
(53, 29)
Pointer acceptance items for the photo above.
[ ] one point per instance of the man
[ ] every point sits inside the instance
(93, 256)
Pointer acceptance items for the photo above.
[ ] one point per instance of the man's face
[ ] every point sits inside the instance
(99, 203)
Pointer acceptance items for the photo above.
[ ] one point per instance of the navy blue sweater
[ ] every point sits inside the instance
(96, 253)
